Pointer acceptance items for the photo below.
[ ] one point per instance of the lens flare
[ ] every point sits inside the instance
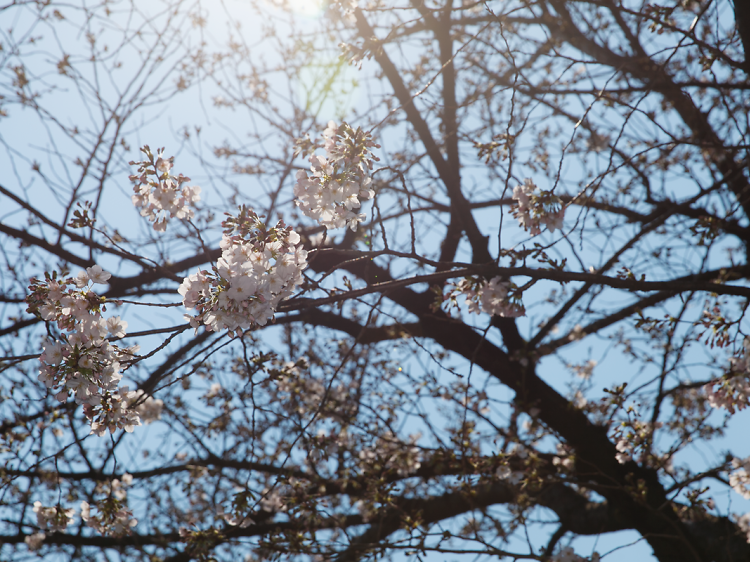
(307, 8)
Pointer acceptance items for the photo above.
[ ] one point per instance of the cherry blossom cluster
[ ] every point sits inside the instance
(35, 540)
(565, 457)
(389, 453)
(733, 391)
(236, 516)
(537, 207)
(744, 524)
(258, 268)
(52, 519)
(631, 438)
(113, 517)
(148, 408)
(83, 361)
(344, 9)
(339, 180)
(585, 370)
(159, 195)
(272, 500)
(739, 479)
(490, 296)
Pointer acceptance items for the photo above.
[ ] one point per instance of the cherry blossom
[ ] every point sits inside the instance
(234, 520)
(389, 453)
(632, 437)
(625, 449)
(345, 9)
(54, 518)
(537, 208)
(258, 268)
(585, 370)
(272, 501)
(83, 362)
(148, 408)
(491, 297)
(744, 524)
(733, 392)
(34, 542)
(97, 275)
(739, 479)
(113, 518)
(159, 195)
(339, 180)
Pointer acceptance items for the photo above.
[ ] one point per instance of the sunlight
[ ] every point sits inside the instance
(307, 8)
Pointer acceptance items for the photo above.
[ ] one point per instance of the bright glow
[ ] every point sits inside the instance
(307, 8)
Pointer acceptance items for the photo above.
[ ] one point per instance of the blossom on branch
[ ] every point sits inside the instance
(537, 207)
(744, 524)
(34, 542)
(159, 195)
(148, 408)
(733, 392)
(53, 519)
(258, 268)
(739, 479)
(113, 517)
(339, 180)
(83, 361)
(495, 297)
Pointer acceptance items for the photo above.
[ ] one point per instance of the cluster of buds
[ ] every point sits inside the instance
(83, 361)
(495, 297)
(537, 207)
(339, 179)
(159, 195)
(258, 268)
(733, 391)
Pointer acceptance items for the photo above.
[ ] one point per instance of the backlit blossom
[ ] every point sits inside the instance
(113, 517)
(97, 275)
(116, 327)
(491, 297)
(258, 268)
(148, 408)
(159, 195)
(732, 391)
(54, 518)
(34, 542)
(340, 180)
(83, 362)
(739, 478)
(744, 524)
(537, 207)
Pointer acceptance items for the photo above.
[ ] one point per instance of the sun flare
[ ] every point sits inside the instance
(307, 8)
